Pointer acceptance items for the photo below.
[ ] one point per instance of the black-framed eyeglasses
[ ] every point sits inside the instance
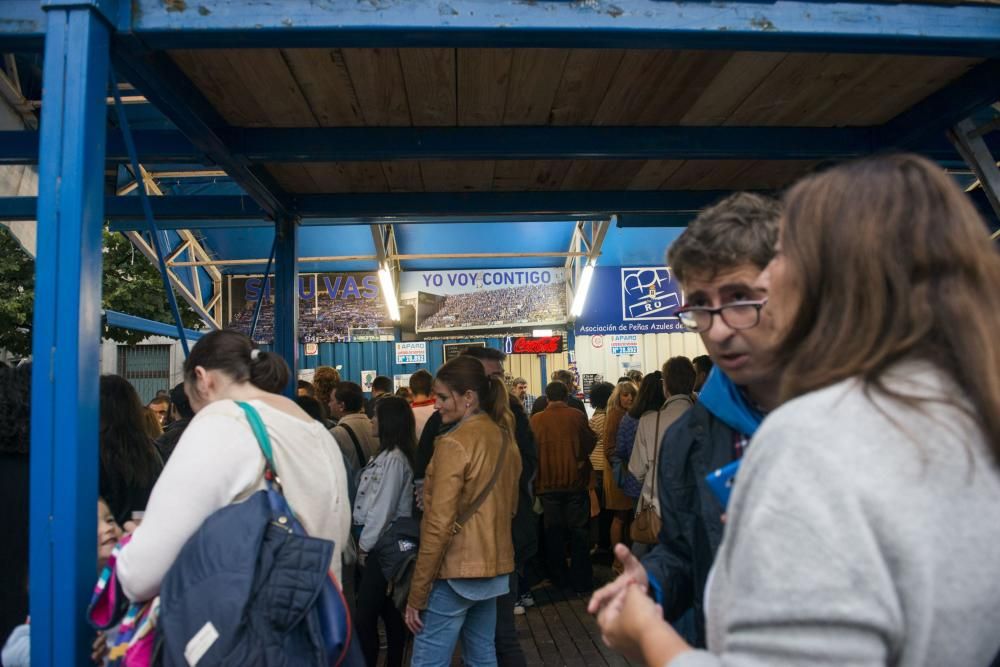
(737, 315)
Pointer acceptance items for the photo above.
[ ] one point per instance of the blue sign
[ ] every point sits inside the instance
(631, 300)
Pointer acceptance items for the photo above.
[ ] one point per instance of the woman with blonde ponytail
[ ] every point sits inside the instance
(470, 496)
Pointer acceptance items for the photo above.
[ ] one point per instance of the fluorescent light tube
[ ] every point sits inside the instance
(580, 297)
(389, 293)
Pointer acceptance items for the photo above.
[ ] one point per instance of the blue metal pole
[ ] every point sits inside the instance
(67, 333)
(545, 372)
(286, 306)
(148, 212)
(264, 291)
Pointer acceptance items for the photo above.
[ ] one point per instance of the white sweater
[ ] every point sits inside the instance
(860, 534)
(218, 462)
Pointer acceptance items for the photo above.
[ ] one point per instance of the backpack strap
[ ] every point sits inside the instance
(264, 442)
(357, 446)
(456, 527)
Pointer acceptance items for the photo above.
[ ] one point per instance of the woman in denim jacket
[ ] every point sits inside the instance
(385, 493)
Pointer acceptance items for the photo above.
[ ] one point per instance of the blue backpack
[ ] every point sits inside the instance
(252, 588)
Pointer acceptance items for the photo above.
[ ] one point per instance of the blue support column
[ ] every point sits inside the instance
(545, 372)
(67, 333)
(286, 302)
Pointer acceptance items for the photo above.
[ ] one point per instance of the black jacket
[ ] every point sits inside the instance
(695, 445)
(166, 443)
(525, 533)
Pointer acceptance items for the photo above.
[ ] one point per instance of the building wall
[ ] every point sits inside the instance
(594, 356)
(109, 357)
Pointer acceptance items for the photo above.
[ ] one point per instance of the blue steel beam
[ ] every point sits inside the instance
(157, 77)
(66, 333)
(363, 208)
(510, 143)
(286, 304)
(131, 225)
(204, 208)
(125, 321)
(782, 25)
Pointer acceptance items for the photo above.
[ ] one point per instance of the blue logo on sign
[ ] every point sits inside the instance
(648, 294)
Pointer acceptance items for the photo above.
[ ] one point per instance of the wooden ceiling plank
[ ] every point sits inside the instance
(211, 73)
(601, 174)
(703, 174)
(326, 84)
(730, 87)
(483, 82)
(377, 77)
(586, 78)
(765, 106)
(430, 85)
(888, 85)
(531, 175)
(680, 86)
(457, 176)
(264, 77)
(632, 89)
(654, 173)
(534, 80)
(403, 176)
(295, 177)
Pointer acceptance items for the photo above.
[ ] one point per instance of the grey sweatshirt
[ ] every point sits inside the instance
(860, 533)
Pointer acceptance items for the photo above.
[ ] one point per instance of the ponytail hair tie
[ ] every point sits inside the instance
(254, 354)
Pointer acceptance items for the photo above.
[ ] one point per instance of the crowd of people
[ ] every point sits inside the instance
(852, 375)
(534, 304)
(331, 322)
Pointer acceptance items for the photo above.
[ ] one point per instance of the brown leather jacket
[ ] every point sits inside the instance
(565, 442)
(462, 465)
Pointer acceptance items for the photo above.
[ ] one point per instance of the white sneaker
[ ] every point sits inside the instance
(519, 609)
(526, 600)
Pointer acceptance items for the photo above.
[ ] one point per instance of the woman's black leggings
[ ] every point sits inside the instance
(372, 603)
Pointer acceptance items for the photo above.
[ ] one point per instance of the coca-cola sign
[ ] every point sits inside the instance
(539, 345)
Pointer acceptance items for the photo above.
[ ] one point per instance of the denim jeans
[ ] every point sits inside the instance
(449, 615)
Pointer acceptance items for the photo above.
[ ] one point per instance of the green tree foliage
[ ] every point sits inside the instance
(17, 294)
(130, 284)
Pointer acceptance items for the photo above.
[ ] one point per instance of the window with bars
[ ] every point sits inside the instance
(147, 367)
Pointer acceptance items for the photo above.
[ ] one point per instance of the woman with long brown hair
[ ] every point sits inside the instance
(470, 496)
(130, 464)
(864, 526)
(615, 498)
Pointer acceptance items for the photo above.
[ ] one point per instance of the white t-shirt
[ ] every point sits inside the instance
(421, 413)
(217, 462)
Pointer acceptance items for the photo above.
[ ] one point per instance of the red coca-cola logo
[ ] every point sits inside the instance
(543, 345)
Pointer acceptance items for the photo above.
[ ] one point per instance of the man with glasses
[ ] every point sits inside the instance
(717, 260)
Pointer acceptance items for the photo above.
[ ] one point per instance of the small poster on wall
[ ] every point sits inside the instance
(411, 353)
(400, 381)
(588, 380)
(367, 377)
(624, 345)
(452, 350)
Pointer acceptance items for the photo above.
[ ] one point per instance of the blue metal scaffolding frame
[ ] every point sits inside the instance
(67, 331)
(82, 38)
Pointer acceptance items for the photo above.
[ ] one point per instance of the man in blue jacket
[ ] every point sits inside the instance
(717, 261)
